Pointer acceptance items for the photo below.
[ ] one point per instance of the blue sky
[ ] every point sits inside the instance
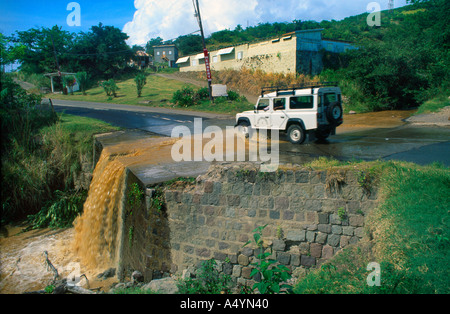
(146, 19)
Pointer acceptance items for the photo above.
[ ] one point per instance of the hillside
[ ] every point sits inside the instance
(400, 64)
(353, 29)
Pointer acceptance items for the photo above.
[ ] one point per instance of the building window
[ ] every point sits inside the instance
(170, 52)
(194, 63)
(157, 53)
(215, 59)
(240, 55)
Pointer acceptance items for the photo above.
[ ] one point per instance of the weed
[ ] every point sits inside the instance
(135, 196)
(342, 214)
(272, 274)
(207, 281)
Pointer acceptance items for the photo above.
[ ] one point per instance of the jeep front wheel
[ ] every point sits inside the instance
(296, 134)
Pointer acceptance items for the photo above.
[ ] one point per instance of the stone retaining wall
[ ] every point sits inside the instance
(310, 215)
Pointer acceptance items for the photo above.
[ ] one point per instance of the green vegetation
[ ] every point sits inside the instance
(41, 154)
(140, 80)
(434, 105)
(408, 236)
(207, 281)
(272, 274)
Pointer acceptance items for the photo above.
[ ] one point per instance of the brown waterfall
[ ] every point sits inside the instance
(98, 230)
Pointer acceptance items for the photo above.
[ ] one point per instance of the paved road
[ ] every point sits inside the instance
(419, 144)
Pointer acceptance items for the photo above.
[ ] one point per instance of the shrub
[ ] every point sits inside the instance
(184, 97)
(208, 281)
(203, 93)
(110, 87)
(83, 81)
(272, 274)
(140, 80)
(60, 213)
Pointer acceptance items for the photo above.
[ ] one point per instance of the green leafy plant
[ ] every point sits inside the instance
(59, 213)
(141, 81)
(83, 81)
(135, 195)
(110, 87)
(272, 274)
(342, 214)
(208, 281)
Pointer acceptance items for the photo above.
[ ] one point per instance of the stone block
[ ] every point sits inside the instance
(310, 236)
(323, 218)
(307, 261)
(321, 238)
(246, 271)
(316, 250)
(295, 260)
(324, 228)
(359, 232)
(335, 229)
(302, 176)
(347, 230)
(296, 235)
(273, 214)
(278, 245)
(284, 258)
(334, 240)
(233, 200)
(243, 260)
(236, 271)
(282, 203)
(356, 221)
(327, 252)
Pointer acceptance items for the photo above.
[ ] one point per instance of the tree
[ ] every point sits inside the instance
(42, 50)
(152, 43)
(83, 81)
(140, 80)
(103, 51)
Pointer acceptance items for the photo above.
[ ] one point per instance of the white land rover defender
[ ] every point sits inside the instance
(313, 110)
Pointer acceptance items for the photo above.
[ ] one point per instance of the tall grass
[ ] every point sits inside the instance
(249, 81)
(408, 235)
(41, 152)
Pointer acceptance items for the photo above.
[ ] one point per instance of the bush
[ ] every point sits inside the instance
(59, 213)
(186, 97)
(208, 281)
(203, 93)
(110, 87)
(140, 80)
(83, 81)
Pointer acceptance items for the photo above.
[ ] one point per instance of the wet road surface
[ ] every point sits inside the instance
(393, 141)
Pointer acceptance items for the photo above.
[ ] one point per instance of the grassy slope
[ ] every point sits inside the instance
(408, 235)
(157, 92)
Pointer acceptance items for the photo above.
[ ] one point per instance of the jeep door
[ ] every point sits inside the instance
(278, 118)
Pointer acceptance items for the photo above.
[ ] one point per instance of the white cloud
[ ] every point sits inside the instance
(170, 19)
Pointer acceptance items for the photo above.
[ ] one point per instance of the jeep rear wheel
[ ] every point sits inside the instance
(296, 134)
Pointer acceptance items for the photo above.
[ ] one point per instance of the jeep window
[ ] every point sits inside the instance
(302, 102)
(263, 104)
(330, 98)
(279, 104)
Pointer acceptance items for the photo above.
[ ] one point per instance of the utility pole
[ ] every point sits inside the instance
(205, 51)
(391, 5)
